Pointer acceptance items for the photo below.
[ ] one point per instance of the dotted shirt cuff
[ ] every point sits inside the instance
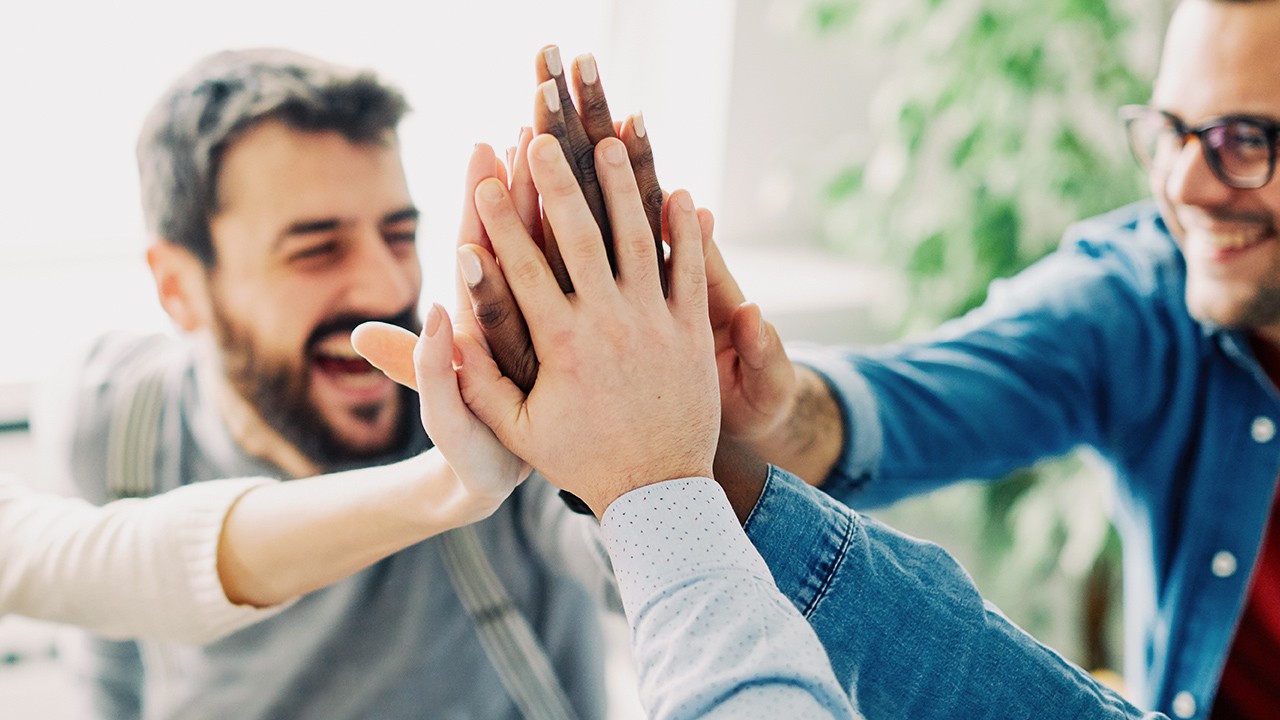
(663, 535)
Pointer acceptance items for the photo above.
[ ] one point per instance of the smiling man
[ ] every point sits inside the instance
(1151, 336)
(280, 218)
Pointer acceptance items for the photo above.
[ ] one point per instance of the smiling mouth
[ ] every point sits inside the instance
(333, 356)
(1237, 240)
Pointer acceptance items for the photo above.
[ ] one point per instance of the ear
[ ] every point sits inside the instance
(182, 284)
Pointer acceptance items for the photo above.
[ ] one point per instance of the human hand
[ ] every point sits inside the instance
(757, 381)
(626, 393)
(579, 128)
(496, 317)
(773, 410)
(485, 472)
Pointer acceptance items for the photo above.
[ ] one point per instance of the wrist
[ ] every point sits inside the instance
(604, 493)
(810, 436)
(445, 500)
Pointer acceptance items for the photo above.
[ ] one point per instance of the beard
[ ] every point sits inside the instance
(280, 391)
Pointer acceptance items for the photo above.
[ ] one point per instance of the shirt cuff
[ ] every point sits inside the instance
(662, 535)
(859, 459)
(802, 535)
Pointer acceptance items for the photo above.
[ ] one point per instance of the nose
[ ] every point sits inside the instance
(1190, 180)
(383, 279)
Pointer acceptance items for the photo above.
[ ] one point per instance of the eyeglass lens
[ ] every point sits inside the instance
(1239, 151)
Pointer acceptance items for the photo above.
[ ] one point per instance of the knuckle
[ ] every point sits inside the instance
(562, 185)
(490, 314)
(641, 159)
(595, 105)
(526, 271)
(639, 245)
(584, 156)
(651, 195)
(591, 249)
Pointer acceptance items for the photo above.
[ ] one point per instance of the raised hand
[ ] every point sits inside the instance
(485, 471)
(626, 393)
(579, 128)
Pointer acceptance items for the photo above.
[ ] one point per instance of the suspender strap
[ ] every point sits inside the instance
(507, 638)
(134, 429)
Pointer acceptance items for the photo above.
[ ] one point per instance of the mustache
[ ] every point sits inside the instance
(1226, 215)
(346, 322)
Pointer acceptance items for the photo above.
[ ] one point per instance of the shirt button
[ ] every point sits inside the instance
(1263, 429)
(1184, 705)
(1224, 564)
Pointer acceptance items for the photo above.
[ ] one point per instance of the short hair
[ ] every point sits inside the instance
(223, 96)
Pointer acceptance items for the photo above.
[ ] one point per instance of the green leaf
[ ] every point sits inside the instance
(847, 183)
(929, 258)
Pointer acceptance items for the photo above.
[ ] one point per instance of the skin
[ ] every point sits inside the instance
(617, 353)
(310, 227)
(1220, 59)
(578, 129)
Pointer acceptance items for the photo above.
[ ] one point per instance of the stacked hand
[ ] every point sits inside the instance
(595, 212)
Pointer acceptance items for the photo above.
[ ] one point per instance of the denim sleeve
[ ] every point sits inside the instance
(712, 637)
(905, 629)
(1056, 358)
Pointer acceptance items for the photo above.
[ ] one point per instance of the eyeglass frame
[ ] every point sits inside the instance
(1129, 114)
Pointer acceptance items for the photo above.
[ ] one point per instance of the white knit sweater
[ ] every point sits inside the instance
(132, 568)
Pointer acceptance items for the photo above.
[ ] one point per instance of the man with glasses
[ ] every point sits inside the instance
(1152, 336)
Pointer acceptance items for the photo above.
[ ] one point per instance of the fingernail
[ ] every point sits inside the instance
(547, 150)
(685, 201)
(615, 154)
(490, 190)
(637, 122)
(551, 96)
(760, 334)
(433, 320)
(552, 56)
(511, 157)
(469, 263)
(587, 69)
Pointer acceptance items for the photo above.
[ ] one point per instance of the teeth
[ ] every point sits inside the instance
(337, 346)
(1230, 240)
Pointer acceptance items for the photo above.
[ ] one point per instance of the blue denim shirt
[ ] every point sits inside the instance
(905, 629)
(1093, 346)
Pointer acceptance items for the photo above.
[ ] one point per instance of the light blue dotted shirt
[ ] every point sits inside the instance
(712, 635)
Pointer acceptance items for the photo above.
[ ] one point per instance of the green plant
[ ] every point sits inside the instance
(993, 127)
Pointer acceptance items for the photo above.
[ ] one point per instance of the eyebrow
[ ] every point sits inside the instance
(405, 215)
(324, 225)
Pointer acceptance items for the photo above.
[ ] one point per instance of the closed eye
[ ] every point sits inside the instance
(315, 251)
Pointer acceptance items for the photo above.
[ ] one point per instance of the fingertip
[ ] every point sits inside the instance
(490, 191)
(550, 95)
(389, 348)
(545, 147)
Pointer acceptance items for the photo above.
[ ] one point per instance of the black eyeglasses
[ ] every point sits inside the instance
(1239, 149)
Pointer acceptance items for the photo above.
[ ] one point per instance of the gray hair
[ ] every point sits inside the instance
(222, 97)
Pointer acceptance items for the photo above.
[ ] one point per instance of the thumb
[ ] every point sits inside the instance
(492, 397)
(766, 372)
(388, 348)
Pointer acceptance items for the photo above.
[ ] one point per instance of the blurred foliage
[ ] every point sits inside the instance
(993, 128)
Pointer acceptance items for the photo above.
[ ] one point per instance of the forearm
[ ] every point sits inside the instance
(130, 568)
(285, 540)
(900, 619)
(712, 636)
(808, 442)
